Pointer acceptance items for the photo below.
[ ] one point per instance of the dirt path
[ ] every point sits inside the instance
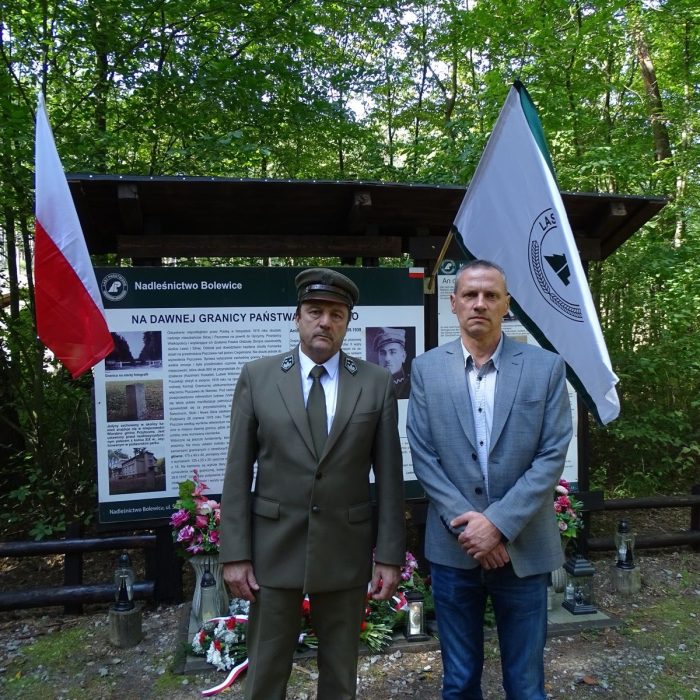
(653, 653)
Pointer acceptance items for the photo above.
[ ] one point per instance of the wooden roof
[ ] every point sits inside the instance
(154, 217)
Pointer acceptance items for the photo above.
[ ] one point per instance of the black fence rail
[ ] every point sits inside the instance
(691, 536)
(163, 581)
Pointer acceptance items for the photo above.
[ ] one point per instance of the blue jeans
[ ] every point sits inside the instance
(520, 606)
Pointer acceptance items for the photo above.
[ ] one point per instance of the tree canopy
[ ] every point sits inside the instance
(399, 90)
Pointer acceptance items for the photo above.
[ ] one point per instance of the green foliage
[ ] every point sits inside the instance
(403, 90)
(50, 481)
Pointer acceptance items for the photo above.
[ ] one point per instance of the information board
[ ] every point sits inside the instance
(163, 397)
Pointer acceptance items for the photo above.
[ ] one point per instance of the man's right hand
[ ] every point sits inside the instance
(240, 579)
(494, 559)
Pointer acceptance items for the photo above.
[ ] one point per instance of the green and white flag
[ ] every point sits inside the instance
(513, 215)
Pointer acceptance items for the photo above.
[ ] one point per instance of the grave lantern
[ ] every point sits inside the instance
(578, 594)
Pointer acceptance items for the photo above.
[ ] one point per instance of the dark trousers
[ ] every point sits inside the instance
(520, 606)
(273, 632)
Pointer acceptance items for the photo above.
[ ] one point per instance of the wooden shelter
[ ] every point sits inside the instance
(147, 218)
(150, 218)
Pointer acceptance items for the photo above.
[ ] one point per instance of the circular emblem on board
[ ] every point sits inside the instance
(114, 286)
(448, 267)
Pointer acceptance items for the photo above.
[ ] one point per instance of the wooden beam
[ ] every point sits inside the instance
(429, 247)
(588, 248)
(678, 538)
(204, 246)
(356, 219)
(130, 208)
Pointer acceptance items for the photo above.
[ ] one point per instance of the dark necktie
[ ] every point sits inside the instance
(316, 410)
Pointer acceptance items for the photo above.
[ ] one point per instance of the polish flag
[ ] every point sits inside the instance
(70, 318)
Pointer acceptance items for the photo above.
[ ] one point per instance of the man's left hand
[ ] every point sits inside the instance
(385, 581)
(480, 535)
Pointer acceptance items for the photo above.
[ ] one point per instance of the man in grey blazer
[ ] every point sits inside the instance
(489, 424)
(316, 421)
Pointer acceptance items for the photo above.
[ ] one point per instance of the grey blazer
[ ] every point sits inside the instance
(530, 434)
(308, 523)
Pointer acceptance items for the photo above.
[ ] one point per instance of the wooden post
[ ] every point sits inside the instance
(125, 627)
(627, 581)
(165, 567)
(73, 567)
(695, 515)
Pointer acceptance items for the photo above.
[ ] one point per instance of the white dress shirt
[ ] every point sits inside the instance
(329, 382)
(482, 393)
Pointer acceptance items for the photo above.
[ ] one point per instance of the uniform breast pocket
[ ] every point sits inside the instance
(365, 417)
(266, 508)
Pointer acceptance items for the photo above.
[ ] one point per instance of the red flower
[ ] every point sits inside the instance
(363, 626)
(230, 623)
(217, 645)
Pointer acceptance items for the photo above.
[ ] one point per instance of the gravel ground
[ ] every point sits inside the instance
(653, 653)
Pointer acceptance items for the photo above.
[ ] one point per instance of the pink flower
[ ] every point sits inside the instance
(179, 518)
(564, 501)
(202, 506)
(563, 526)
(185, 534)
(195, 515)
(199, 486)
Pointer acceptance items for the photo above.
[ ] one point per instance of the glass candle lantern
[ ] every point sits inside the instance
(124, 572)
(123, 603)
(209, 601)
(415, 616)
(578, 598)
(624, 546)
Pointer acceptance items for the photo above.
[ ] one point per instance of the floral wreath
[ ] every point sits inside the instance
(222, 640)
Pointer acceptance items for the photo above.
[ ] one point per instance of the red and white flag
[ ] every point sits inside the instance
(70, 317)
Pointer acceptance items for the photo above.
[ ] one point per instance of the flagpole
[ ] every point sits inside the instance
(429, 284)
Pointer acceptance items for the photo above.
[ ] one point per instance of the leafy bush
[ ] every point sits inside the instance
(49, 480)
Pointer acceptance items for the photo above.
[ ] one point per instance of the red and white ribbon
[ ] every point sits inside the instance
(399, 602)
(229, 681)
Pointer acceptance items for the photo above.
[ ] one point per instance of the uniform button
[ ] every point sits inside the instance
(315, 509)
(478, 490)
(473, 456)
(319, 475)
